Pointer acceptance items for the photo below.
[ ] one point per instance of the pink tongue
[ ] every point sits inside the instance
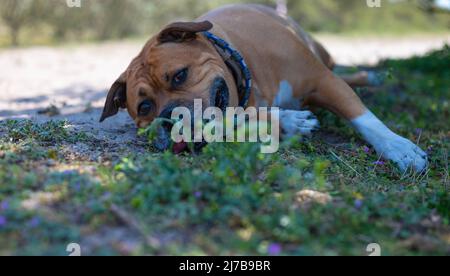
(180, 147)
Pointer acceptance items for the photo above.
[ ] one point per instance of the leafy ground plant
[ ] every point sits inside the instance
(328, 196)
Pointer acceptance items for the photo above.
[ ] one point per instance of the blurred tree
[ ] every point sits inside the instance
(117, 19)
(120, 18)
(282, 7)
(67, 22)
(435, 5)
(15, 14)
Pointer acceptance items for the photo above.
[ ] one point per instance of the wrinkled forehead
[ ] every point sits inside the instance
(138, 73)
(157, 62)
(168, 55)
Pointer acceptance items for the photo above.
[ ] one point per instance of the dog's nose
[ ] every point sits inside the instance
(162, 141)
(167, 112)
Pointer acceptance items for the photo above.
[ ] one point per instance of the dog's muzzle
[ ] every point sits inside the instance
(219, 97)
(220, 94)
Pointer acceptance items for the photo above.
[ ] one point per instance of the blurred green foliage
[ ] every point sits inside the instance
(52, 21)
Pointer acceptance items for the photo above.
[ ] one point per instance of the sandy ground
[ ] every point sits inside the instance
(76, 79)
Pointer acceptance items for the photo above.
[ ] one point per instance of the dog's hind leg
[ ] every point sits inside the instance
(359, 79)
(363, 78)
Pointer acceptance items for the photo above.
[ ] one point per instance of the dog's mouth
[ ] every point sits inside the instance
(220, 94)
(219, 97)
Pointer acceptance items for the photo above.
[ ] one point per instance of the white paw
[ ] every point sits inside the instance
(297, 123)
(390, 145)
(403, 152)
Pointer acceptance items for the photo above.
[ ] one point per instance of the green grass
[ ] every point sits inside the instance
(49, 132)
(231, 199)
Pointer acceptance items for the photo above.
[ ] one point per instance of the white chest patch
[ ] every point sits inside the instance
(390, 145)
(285, 98)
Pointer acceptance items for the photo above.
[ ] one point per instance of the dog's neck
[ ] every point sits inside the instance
(236, 64)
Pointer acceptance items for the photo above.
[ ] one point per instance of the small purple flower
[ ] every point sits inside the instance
(274, 249)
(419, 131)
(379, 163)
(67, 172)
(359, 204)
(430, 149)
(198, 194)
(34, 222)
(3, 221)
(106, 196)
(77, 187)
(366, 149)
(4, 205)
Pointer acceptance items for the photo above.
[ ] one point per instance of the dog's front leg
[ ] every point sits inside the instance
(292, 120)
(270, 125)
(390, 145)
(289, 123)
(335, 95)
(297, 123)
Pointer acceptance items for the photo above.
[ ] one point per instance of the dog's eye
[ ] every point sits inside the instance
(145, 108)
(180, 77)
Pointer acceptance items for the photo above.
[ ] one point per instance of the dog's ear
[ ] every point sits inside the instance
(116, 99)
(183, 31)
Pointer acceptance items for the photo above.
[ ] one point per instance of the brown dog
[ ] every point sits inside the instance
(289, 70)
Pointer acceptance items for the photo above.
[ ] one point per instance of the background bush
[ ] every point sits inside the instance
(51, 21)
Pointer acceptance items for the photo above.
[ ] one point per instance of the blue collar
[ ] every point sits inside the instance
(236, 63)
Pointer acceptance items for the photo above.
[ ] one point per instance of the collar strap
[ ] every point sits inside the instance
(237, 65)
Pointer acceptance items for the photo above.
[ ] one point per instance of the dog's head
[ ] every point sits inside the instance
(174, 68)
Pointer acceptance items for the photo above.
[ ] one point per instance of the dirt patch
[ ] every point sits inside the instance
(70, 84)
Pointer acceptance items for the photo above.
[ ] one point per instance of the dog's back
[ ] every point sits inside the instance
(273, 47)
(252, 9)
